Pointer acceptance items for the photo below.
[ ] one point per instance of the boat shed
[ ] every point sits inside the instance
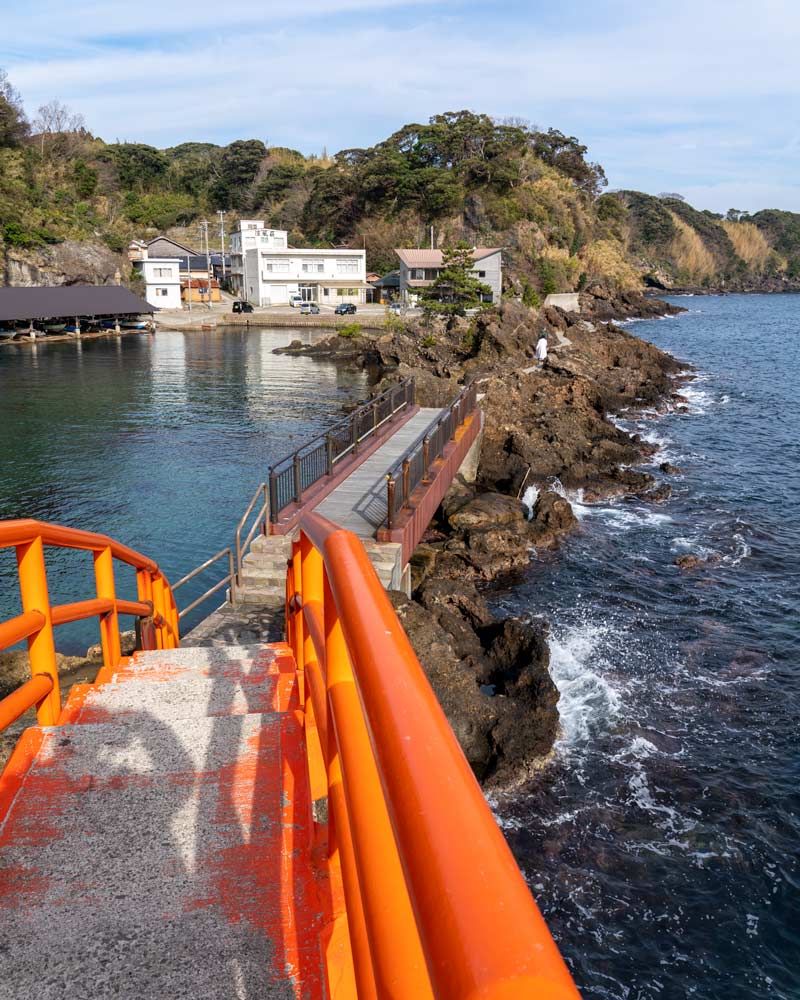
(69, 302)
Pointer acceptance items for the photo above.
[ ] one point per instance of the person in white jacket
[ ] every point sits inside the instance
(541, 348)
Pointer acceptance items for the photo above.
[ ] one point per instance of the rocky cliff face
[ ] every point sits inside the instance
(67, 263)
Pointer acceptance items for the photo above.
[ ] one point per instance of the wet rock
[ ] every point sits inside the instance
(669, 469)
(690, 561)
(490, 676)
(660, 494)
(489, 510)
(553, 518)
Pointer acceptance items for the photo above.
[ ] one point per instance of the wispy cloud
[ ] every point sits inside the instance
(682, 93)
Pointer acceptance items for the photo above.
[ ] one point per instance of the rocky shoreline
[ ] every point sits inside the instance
(547, 427)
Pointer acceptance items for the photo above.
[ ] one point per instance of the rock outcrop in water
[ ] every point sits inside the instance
(546, 426)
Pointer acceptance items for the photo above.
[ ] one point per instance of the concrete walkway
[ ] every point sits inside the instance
(359, 504)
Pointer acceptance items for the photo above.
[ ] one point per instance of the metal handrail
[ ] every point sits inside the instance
(155, 610)
(436, 904)
(261, 523)
(290, 477)
(413, 466)
(230, 579)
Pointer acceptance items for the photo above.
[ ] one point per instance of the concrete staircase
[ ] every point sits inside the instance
(181, 775)
(264, 568)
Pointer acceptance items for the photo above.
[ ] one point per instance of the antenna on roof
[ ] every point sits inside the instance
(431, 237)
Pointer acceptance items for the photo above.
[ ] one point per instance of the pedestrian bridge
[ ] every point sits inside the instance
(380, 473)
(285, 820)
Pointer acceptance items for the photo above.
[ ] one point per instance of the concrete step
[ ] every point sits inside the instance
(261, 593)
(266, 560)
(149, 857)
(214, 661)
(272, 544)
(180, 694)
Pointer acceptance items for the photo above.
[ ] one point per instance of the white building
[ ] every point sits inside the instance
(162, 278)
(266, 271)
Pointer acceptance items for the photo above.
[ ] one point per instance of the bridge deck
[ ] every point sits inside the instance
(359, 503)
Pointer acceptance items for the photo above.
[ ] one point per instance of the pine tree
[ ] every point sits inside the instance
(456, 288)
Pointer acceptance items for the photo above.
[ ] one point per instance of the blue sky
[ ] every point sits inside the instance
(694, 96)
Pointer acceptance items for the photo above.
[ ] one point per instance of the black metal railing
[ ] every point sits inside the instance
(292, 476)
(414, 466)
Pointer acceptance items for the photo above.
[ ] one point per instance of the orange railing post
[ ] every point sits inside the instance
(109, 622)
(41, 645)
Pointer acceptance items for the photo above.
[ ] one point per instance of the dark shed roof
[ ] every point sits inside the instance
(69, 301)
(390, 280)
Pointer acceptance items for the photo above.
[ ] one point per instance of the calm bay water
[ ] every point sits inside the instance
(158, 441)
(662, 841)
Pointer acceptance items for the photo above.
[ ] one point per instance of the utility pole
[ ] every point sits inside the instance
(432, 247)
(221, 215)
(189, 282)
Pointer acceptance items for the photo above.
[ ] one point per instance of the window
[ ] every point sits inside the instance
(281, 266)
(314, 266)
(344, 292)
(162, 272)
(347, 266)
(279, 242)
(481, 274)
(162, 291)
(325, 292)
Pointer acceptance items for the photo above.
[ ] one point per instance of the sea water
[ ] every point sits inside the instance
(156, 440)
(662, 839)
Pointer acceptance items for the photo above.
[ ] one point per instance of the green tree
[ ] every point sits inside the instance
(456, 287)
(238, 168)
(14, 126)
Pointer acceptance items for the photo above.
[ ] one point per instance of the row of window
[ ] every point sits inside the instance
(431, 273)
(277, 266)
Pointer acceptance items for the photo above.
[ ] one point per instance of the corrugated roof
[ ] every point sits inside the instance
(69, 301)
(433, 258)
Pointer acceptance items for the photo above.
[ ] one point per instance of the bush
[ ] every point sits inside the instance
(114, 242)
(530, 297)
(350, 330)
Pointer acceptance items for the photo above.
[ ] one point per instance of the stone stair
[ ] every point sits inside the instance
(151, 841)
(263, 578)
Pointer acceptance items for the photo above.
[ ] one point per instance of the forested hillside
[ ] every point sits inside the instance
(464, 175)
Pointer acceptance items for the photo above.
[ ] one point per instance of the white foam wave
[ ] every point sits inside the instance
(529, 498)
(742, 551)
(587, 698)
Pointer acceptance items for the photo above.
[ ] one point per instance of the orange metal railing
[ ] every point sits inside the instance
(436, 905)
(155, 610)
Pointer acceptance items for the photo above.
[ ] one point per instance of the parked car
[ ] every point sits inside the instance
(242, 307)
(309, 307)
(398, 308)
(295, 300)
(345, 309)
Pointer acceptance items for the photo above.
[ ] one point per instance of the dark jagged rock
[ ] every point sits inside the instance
(490, 676)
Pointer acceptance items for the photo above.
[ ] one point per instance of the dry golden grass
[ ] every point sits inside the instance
(694, 260)
(749, 243)
(606, 258)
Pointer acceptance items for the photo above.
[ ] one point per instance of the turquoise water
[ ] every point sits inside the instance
(157, 440)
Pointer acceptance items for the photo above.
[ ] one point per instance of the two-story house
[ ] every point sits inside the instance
(266, 271)
(419, 269)
(162, 279)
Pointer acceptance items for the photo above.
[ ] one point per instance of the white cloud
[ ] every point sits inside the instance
(680, 92)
